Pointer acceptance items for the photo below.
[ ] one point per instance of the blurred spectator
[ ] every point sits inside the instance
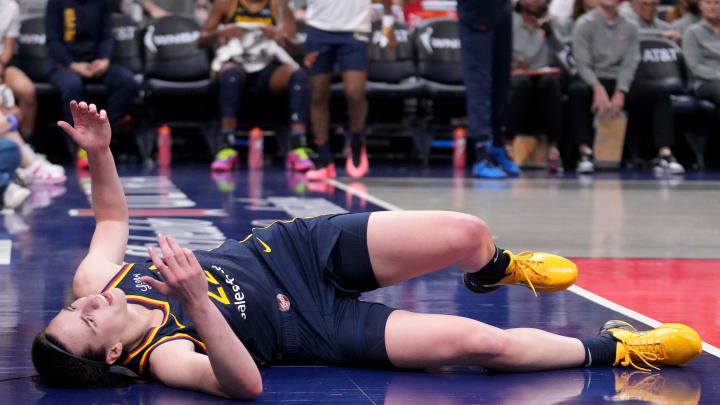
(561, 9)
(12, 194)
(690, 17)
(142, 11)
(676, 11)
(563, 26)
(606, 50)
(257, 36)
(338, 36)
(645, 16)
(701, 49)
(625, 9)
(23, 104)
(534, 49)
(79, 38)
(485, 56)
(30, 8)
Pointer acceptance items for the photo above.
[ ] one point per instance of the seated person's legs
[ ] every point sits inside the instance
(24, 91)
(655, 99)
(123, 89)
(293, 81)
(70, 85)
(12, 194)
(550, 96)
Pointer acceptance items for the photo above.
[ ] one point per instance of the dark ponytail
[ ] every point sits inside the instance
(60, 368)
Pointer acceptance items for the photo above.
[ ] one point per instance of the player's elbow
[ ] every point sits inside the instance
(248, 392)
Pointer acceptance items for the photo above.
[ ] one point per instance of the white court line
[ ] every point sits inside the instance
(574, 289)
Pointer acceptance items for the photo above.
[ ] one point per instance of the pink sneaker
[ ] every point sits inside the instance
(299, 161)
(323, 173)
(225, 160)
(357, 171)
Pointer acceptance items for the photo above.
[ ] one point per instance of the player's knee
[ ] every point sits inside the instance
(469, 230)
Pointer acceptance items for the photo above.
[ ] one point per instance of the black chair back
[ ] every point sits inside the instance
(387, 66)
(32, 54)
(172, 52)
(126, 47)
(438, 50)
(661, 63)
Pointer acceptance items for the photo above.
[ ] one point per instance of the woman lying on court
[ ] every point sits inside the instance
(287, 294)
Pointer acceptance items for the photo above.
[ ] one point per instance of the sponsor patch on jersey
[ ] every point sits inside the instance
(283, 302)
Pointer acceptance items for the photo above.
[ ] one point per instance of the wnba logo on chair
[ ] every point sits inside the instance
(152, 41)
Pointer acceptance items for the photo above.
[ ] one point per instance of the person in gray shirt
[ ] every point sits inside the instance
(606, 48)
(644, 14)
(701, 48)
(691, 16)
(534, 47)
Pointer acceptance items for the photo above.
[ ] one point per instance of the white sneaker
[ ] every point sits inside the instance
(41, 172)
(585, 164)
(668, 164)
(7, 98)
(15, 195)
(43, 159)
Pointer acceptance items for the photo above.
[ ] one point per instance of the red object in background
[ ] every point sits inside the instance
(667, 290)
(423, 10)
(164, 140)
(459, 147)
(255, 149)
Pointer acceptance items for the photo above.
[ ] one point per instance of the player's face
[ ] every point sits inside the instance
(93, 321)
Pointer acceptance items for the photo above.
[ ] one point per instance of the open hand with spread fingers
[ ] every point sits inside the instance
(91, 129)
(184, 278)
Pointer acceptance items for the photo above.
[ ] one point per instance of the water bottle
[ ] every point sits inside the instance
(459, 146)
(164, 140)
(255, 151)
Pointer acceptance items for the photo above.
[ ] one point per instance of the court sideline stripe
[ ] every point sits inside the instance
(574, 289)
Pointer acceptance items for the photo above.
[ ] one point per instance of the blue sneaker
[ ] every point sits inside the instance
(485, 170)
(499, 155)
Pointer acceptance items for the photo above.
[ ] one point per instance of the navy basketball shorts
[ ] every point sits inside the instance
(323, 265)
(346, 49)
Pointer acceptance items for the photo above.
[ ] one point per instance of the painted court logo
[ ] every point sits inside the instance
(283, 302)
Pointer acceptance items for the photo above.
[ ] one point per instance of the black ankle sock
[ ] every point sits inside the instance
(357, 141)
(481, 151)
(228, 137)
(599, 350)
(494, 270)
(324, 156)
(297, 140)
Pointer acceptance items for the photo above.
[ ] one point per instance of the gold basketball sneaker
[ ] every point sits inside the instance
(669, 344)
(540, 272)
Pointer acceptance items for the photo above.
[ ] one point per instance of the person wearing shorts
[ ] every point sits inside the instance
(338, 37)
(288, 294)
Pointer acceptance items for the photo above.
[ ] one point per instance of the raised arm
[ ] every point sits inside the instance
(228, 369)
(91, 131)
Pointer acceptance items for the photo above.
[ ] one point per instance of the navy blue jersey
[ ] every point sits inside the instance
(239, 284)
